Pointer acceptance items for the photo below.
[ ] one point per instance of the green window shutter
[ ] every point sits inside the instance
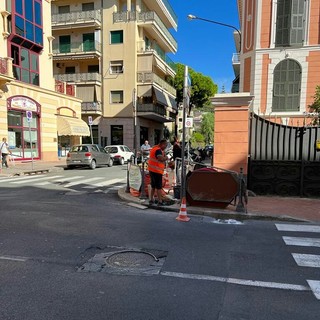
(65, 44)
(116, 36)
(297, 22)
(88, 41)
(283, 23)
(286, 86)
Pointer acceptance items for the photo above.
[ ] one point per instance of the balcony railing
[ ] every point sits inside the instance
(91, 107)
(76, 47)
(170, 9)
(149, 16)
(79, 77)
(76, 17)
(154, 108)
(63, 87)
(152, 77)
(236, 58)
(156, 49)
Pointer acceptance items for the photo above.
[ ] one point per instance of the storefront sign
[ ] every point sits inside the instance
(23, 103)
(135, 178)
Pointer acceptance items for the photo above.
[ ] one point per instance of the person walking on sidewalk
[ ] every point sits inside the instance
(4, 152)
(156, 166)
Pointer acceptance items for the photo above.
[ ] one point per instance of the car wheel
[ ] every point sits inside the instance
(69, 167)
(121, 161)
(93, 164)
(110, 164)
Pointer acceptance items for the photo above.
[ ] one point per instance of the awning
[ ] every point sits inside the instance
(72, 127)
(85, 93)
(160, 96)
(172, 102)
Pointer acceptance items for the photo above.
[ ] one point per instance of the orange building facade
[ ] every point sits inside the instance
(280, 57)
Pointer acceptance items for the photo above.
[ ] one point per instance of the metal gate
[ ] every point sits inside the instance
(283, 160)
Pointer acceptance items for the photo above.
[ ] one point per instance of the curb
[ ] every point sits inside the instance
(213, 213)
(23, 172)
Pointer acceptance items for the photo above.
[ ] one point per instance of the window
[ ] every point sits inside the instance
(116, 67)
(64, 9)
(64, 44)
(286, 86)
(116, 96)
(290, 23)
(93, 69)
(70, 70)
(116, 36)
(116, 135)
(88, 42)
(88, 6)
(25, 64)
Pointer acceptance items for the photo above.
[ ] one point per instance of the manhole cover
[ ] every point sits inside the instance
(132, 259)
(128, 261)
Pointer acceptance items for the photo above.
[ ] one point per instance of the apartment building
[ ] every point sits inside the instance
(116, 54)
(279, 63)
(33, 115)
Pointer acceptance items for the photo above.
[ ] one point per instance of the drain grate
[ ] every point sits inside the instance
(129, 262)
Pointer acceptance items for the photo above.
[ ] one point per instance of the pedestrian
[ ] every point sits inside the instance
(145, 148)
(176, 149)
(156, 166)
(4, 151)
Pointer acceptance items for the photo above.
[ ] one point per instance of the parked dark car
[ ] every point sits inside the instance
(89, 155)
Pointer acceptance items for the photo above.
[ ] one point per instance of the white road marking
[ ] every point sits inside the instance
(68, 179)
(315, 287)
(243, 282)
(13, 179)
(85, 181)
(14, 258)
(136, 205)
(297, 227)
(307, 260)
(107, 182)
(34, 180)
(303, 242)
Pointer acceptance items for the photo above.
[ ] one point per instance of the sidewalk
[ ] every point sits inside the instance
(259, 207)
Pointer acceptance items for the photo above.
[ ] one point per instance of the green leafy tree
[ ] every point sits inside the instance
(197, 139)
(207, 127)
(202, 87)
(315, 106)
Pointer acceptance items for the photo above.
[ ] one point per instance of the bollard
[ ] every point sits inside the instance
(240, 205)
(142, 192)
(128, 183)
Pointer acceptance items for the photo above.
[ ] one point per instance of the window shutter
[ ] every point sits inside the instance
(297, 22)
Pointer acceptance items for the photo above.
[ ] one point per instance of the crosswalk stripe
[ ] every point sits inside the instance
(71, 184)
(307, 260)
(21, 178)
(68, 179)
(297, 227)
(39, 179)
(107, 182)
(303, 242)
(315, 287)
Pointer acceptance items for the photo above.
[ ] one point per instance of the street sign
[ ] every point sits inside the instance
(189, 122)
(29, 115)
(90, 120)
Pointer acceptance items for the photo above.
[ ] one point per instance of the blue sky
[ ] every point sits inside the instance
(207, 47)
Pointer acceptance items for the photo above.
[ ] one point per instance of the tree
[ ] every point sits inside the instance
(315, 106)
(202, 87)
(197, 139)
(207, 127)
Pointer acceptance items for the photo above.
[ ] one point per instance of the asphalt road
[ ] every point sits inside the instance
(53, 228)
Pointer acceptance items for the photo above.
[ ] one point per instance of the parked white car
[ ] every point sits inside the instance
(119, 153)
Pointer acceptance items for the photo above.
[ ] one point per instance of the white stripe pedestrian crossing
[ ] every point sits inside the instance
(68, 179)
(85, 181)
(106, 183)
(302, 259)
(297, 227)
(302, 242)
(34, 180)
(21, 178)
(307, 260)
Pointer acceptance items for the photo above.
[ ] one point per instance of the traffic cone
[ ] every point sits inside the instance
(183, 211)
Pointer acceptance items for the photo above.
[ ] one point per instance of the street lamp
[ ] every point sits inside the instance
(192, 17)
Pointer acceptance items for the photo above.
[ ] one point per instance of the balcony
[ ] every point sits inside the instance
(151, 21)
(84, 78)
(77, 19)
(236, 63)
(150, 77)
(165, 11)
(91, 107)
(6, 74)
(162, 60)
(85, 50)
(152, 111)
(63, 87)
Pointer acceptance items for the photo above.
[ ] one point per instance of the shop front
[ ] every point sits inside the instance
(24, 137)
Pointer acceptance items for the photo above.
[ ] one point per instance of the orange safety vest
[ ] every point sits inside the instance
(154, 164)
